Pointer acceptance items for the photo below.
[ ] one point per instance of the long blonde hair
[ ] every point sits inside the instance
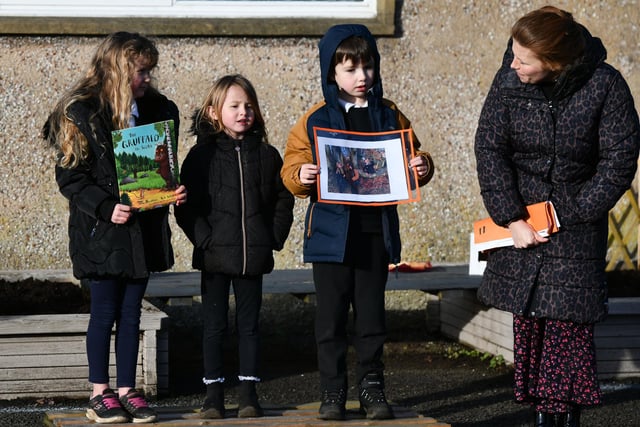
(108, 80)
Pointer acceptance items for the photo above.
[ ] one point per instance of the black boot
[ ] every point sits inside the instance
(373, 403)
(571, 418)
(248, 406)
(213, 407)
(333, 405)
(544, 420)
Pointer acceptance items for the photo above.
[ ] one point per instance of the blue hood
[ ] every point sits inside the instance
(328, 45)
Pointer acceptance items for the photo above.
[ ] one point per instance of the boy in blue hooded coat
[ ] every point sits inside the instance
(349, 246)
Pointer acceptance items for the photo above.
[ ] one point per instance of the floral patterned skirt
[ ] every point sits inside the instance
(555, 364)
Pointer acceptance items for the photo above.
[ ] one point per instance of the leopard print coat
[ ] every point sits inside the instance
(576, 146)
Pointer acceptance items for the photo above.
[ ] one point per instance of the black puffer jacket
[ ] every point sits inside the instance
(99, 248)
(577, 148)
(239, 211)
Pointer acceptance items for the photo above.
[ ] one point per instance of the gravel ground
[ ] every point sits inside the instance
(424, 372)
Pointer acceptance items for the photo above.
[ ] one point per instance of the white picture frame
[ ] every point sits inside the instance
(369, 168)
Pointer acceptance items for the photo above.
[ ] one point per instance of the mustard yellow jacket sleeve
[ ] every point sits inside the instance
(297, 153)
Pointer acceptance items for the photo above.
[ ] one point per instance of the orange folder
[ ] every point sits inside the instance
(488, 235)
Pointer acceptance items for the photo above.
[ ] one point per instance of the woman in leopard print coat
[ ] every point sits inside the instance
(558, 124)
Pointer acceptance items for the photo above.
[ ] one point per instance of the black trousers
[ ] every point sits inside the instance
(358, 283)
(215, 307)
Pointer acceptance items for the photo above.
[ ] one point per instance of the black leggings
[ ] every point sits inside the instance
(215, 305)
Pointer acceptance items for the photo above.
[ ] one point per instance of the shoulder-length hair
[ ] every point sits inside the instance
(552, 35)
(215, 98)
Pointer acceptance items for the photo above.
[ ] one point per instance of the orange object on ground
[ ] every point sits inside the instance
(410, 266)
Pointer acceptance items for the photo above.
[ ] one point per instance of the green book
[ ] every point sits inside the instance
(147, 164)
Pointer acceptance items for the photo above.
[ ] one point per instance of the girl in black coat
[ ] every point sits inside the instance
(112, 247)
(241, 213)
(558, 124)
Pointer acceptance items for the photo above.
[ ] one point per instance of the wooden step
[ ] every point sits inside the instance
(293, 416)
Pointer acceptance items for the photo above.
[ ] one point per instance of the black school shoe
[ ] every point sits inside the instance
(136, 405)
(105, 408)
(333, 406)
(373, 403)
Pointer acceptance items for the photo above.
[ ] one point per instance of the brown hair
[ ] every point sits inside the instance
(216, 96)
(355, 49)
(552, 35)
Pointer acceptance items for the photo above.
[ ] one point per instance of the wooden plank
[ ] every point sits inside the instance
(70, 356)
(303, 415)
(35, 361)
(43, 324)
(38, 345)
(47, 387)
(149, 360)
(38, 324)
(483, 335)
(18, 339)
(300, 281)
(491, 318)
(619, 354)
(615, 342)
(463, 310)
(12, 374)
(622, 306)
(485, 320)
(610, 328)
(618, 367)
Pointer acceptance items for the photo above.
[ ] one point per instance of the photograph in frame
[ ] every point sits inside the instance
(369, 168)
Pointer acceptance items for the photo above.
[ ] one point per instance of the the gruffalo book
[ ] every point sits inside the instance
(147, 164)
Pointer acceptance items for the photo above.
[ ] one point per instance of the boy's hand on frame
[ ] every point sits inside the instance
(419, 163)
(309, 173)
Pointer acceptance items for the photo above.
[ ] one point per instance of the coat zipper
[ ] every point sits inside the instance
(242, 211)
(313, 205)
(92, 234)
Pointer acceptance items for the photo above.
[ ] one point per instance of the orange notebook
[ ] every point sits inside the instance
(488, 235)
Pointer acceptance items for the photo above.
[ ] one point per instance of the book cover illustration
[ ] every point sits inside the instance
(365, 168)
(488, 235)
(147, 164)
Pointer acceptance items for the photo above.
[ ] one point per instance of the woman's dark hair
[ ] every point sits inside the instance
(552, 35)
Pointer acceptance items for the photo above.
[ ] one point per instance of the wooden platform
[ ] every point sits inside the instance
(302, 415)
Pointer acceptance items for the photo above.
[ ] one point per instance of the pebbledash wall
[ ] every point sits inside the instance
(437, 68)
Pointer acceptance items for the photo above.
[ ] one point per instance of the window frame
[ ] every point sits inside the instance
(193, 17)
